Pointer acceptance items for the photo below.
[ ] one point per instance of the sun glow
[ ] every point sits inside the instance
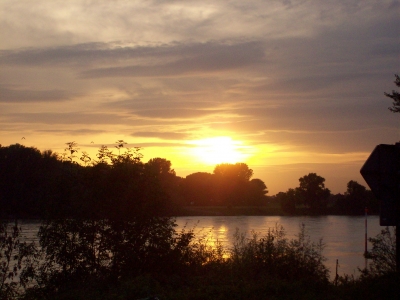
(219, 150)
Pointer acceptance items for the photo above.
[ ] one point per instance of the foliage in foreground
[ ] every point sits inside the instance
(16, 258)
(380, 279)
(383, 253)
(80, 259)
(106, 259)
(275, 255)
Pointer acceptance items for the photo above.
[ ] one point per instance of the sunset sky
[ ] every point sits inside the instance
(288, 87)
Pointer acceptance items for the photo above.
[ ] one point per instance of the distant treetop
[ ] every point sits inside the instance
(395, 96)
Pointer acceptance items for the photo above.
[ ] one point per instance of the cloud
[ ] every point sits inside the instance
(72, 132)
(81, 54)
(61, 55)
(161, 145)
(208, 56)
(13, 95)
(68, 118)
(174, 113)
(52, 23)
(164, 135)
(315, 116)
(193, 59)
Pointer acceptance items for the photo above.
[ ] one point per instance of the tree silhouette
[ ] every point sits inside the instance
(395, 96)
(159, 171)
(104, 155)
(257, 190)
(238, 171)
(198, 189)
(355, 199)
(288, 200)
(20, 180)
(85, 158)
(356, 196)
(313, 192)
(72, 147)
(232, 182)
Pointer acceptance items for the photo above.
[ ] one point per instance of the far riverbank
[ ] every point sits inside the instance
(270, 210)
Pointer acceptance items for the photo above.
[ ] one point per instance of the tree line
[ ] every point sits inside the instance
(311, 196)
(47, 184)
(35, 184)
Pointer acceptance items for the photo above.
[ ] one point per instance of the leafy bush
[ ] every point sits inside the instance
(380, 279)
(383, 253)
(16, 258)
(275, 255)
(76, 252)
(127, 260)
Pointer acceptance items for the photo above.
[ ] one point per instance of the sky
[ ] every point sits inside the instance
(287, 87)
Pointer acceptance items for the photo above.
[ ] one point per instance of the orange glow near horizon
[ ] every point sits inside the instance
(217, 150)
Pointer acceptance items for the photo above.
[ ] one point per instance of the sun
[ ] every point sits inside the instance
(217, 150)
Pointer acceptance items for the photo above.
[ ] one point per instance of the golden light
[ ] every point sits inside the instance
(219, 150)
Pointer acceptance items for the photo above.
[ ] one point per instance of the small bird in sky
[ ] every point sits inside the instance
(91, 142)
(23, 138)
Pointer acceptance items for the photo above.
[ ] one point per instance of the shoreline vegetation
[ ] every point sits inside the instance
(268, 210)
(230, 211)
(83, 259)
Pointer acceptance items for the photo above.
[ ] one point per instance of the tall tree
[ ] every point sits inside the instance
(355, 199)
(159, 166)
(238, 171)
(313, 192)
(158, 170)
(198, 189)
(28, 179)
(257, 191)
(395, 96)
(288, 200)
(232, 182)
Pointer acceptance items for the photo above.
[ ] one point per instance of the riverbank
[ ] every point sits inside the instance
(268, 210)
(231, 211)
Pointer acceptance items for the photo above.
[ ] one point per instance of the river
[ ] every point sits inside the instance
(343, 236)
